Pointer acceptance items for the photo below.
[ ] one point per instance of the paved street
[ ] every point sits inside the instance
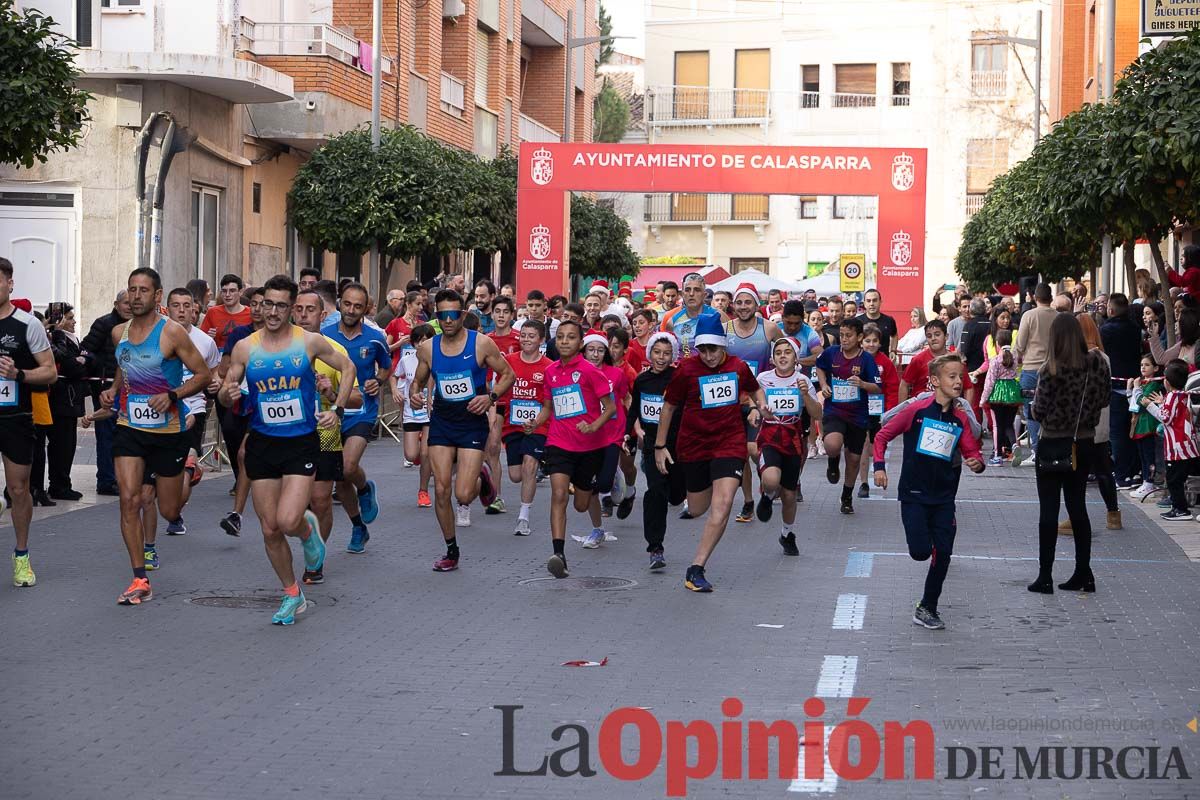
(386, 689)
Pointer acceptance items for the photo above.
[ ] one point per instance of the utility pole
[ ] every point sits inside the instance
(1110, 58)
(376, 102)
(569, 88)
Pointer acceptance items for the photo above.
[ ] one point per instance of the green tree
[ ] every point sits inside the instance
(610, 116)
(606, 47)
(599, 241)
(41, 111)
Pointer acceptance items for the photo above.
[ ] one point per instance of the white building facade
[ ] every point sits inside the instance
(907, 73)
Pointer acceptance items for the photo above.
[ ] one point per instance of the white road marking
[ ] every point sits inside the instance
(838, 674)
(827, 784)
(849, 613)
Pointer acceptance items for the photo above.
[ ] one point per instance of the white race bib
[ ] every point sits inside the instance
(875, 405)
(568, 401)
(938, 439)
(8, 393)
(456, 387)
(718, 390)
(141, 415)
(784, 401)
(521, 412)
(651, 408)
(844, 391)
(282, 410)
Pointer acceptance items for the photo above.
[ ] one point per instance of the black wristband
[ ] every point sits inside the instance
(20, 376)
(660, 447)
(174, 398)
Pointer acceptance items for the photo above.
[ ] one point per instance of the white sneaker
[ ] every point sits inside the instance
(812, 451)
(1143, 491)
(408, 464)
(821, 447)
(462, 517)
(522, 528)
(594, 539)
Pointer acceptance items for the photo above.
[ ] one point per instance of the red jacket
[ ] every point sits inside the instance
(1189, 280)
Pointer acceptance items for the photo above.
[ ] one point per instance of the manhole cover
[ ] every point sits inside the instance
(259, 602)
(595, 584)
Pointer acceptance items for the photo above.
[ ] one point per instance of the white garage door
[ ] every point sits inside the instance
(40, 242)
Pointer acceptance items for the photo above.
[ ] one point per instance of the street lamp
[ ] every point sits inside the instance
(1036, 44)
(569, 94)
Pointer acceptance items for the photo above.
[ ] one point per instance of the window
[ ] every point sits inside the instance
(901, 84)
(481, 68)
(452, 95)
(121, 4)
(989, 67)
(83, 23)
(808, 208)
(691, 85)
(854, 85)
(752, 82)
(736, 265)
(205, 233)
(748, 207)
(986, 159)
(256, 198)
(810, 86)
(849, 207)
(689, 207)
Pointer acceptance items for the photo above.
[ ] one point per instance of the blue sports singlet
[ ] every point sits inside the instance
(456, 380)
(283, 388)
(147, 373)
(754, 349)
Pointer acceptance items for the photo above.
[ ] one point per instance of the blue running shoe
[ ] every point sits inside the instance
(696, 581)
(151, 559)
(314, 546)
(358, 539)
(368, 504)
(288, 609)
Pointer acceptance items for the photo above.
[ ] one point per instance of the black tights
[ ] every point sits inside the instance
(1073, 488)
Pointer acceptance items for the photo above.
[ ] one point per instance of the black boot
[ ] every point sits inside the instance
(40, 498)
(1043, 585)
(1081, 581)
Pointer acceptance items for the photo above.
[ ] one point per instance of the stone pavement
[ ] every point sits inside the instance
(387, 688)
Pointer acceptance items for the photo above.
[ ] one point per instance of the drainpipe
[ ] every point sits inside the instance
(160, 183)
(141, 154)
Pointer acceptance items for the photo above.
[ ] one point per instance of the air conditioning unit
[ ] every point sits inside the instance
(453, 8)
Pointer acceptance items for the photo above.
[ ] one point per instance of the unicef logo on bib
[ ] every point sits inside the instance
(141, 415)
(523, 412)
(875, 405)
(844, 391)
(456, 387)
(281, 409)
(568, 401)
(718, 390)
(784, 401)
(938, 439)
(651, 408)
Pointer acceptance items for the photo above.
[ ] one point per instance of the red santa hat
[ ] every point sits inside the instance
(595, 337)
(625, 289)
(22, 303)
(649, 296)
(746, 288)
(600, 285)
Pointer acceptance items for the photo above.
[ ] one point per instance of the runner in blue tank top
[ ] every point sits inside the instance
(682, 322)
(282, 447)
(454, 366)
(750, 337)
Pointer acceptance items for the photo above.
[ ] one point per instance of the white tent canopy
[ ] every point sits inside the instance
(825, 284)
(761, 281)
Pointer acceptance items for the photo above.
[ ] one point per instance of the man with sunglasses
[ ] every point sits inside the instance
(682, 321)
(456, 361)
(368, 349)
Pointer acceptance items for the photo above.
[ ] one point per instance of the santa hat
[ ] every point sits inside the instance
(664, 336)
(649, 296)
(600, 286)
(791, 341)
(595, 337)
(23, 303)
(625, 287)
(746, 288)
(710, 330)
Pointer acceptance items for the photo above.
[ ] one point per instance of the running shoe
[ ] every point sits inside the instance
(312, 577)
(423, 500)
(314, 545)
(176, 528)
(1021, 454)
(408, 464)
(625, 507)
(1176, 514)
(557, 565)
(833, 472)
(594, 540)
(685, 514)
(462, 516)
(358, 539)
(746, 514)
(1143, 491)
(847, 506)
(927, 619)
(195, 472)
(821, 448)
(695, 580)
(22, 571)
(766, 507)
(864, 490)
(1127, 483)
(996, 461)
(151, 559)
(137, 593)
(788, 543)
(447, 563)
(232, 523)
(657, 559)
(812, 451)
(522, 528)
(368, 504)
(497, 507)
(289, 608)
(487, 489)
(1164, 503)
(606, 506)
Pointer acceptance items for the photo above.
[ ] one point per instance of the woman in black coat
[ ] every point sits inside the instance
(66, 401)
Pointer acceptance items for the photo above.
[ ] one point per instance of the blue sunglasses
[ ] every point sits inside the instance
(449, 315)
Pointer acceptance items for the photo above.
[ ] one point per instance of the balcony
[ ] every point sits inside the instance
(486, 128)
(989, 83)
(453, 95)
(974, 203)
(852, 100)
(234, 79)
(530, 130)
(705, 209)
(700, 106)
(306, 39)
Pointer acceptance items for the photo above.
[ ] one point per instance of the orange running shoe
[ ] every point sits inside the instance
(195, 471)
(423, 500)
(137, 593)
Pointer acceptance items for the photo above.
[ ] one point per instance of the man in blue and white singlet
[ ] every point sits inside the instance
(454, 365)
(282, 447)
(682, 321)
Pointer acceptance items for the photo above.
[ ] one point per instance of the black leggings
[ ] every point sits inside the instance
(1072, 487)
(1106, 482)
(661, 490)
(1002, 428)
(608, 472)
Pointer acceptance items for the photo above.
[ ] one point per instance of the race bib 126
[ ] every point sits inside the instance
(718, 390)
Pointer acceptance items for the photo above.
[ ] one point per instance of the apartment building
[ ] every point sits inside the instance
(254, 87)
(910, 73)
(1078, 68)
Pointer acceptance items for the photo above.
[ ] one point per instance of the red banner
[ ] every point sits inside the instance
(548, 172)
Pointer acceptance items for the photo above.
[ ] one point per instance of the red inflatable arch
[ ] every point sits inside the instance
(549, 172)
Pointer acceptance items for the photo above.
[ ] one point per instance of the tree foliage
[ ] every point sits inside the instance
(610, 117)
(1127, 168)
(599, 241)
(606, 48)
(41, 111)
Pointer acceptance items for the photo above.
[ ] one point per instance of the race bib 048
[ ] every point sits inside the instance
(141, 415)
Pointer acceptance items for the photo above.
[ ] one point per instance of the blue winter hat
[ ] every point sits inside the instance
(710, 330)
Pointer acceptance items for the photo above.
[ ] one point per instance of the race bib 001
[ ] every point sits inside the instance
(568, 401)
(938, 439)
(8, 393)
(281, 409)
(521, 412)
(141, 415)
(651, 408)
(875, 405)
(845, 392)
(718, 390)
(784, 401)
(456, 387)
